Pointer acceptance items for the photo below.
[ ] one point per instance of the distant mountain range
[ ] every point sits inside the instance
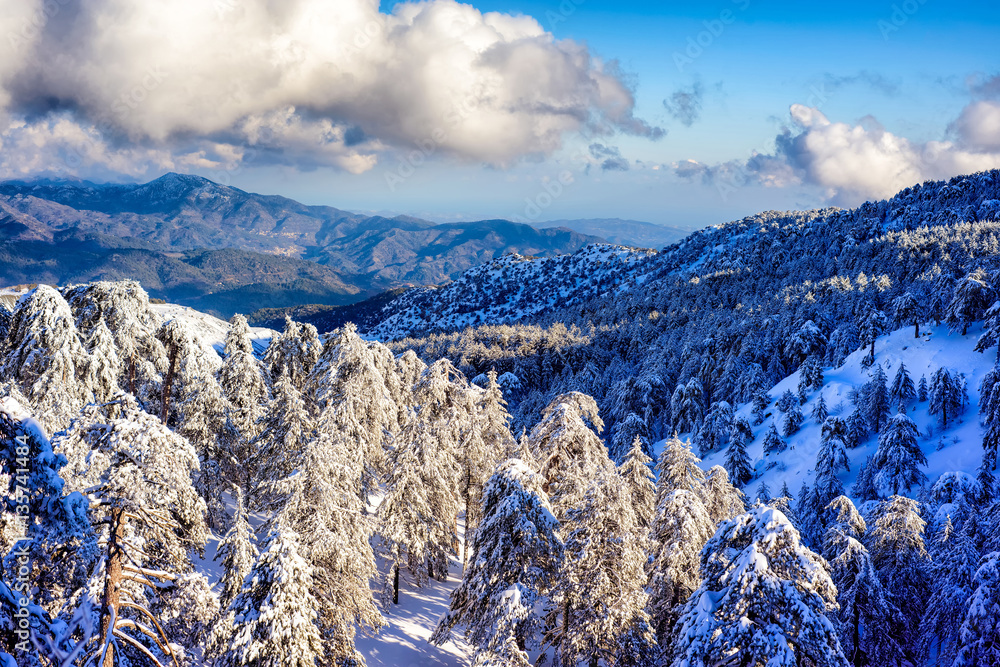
(218, 248)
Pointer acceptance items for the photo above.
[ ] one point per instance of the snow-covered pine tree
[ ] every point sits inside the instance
(773, 442)
(680, 530)
(755, 567)
(991, 330)
(786, 401)
(820, 411)
(763, 492)
(722, 499)
(571, 455)
(138, 475)
(894, 465)
(872, 323)
(293, 353)
(494, 420)
(628, 430)
(973, 295)
(896, 544)
(989, 408)
(902, 390)
(830, 460)
(243, 381)
(876, 401)
(760, 401)
(274, 618)
(335, 533)
(738, 463)
(922, 389)
(286, 427)
(857, 428)
(954, 561)
(597, 608)
(906, 311)
(237, 551)
(105, 366)
(516, 555)
(810, 377)
(979, 642)
(639, 480)
(868, 622)
(945, 396)
(716, 429)
(793, 421)
(687, 406)
(44, 356)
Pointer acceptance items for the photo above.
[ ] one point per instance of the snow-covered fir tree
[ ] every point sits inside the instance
(945, 394)
(632, 428)
(906, 311)
(895, 463)
(639, 480)
(872, 323)
(989, 408)
(755, 567)
(723, 500)
(516, 555)
(868, 621)
(738, 463)
(973, 295)
(902, 390)
(687, 406)
(820, 412)
(895, 541)
(237, 551)
(597, 607)
(773, 442)
(717, 428)
(979, 641)
(293, 353)
(793, 421)
(273, 621)
(991, 330)
(875, 401)
(922, 389)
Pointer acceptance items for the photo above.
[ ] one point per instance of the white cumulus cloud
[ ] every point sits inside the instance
(303, 82)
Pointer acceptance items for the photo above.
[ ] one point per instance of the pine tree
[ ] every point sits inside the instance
(820, 411)
(954, 560)
(597, 607)
(945, 396)
(238, 553)
(516, 555)
(895, 462)
(831, 459)
(286, 427)
(638, 478)
(761, 400)
(875, 400)
(677, 468)
(274, 617)
(104, 364)
(896, 545)
(902, 390)
(991, 330)
(755, 567)
(687, 406)
(681, 529)
(738, 463)
(44, 356)
(989, 407)
(716, 429)
(810, 377)
(973, 295)
(868, 622)
(243, 379)
(722, 500)
(857, 428)
(906, 311)
(979, 642)
(763, 492)
(793, 420)
(773, 443)
(293, 353)
(922, 389)
(871, 324)
(787, 401)
(632, 428)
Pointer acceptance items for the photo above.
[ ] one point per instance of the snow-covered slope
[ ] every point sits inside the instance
(957, 449)
(513, 287)
(211, 330)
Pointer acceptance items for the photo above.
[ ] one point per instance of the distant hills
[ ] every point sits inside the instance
(220, 249)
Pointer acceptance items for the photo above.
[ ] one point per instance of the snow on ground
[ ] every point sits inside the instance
(211, 329)
(959, 448)
(403, 642)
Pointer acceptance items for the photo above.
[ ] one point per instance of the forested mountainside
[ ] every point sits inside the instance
(735, 307)
(819, 393)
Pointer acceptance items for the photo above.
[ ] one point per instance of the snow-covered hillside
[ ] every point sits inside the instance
(211, 330)
(955, 449)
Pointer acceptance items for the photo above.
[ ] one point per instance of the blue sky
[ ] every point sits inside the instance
(889, 93)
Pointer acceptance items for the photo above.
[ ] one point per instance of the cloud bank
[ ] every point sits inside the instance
(126, 86)
(856, 162)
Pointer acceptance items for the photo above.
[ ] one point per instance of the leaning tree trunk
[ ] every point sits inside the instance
(168, 382)
(112, 584)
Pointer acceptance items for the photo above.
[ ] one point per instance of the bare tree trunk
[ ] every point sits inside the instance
(168, 382)
(395, 584)
(131, 375)
(112, 583)
(916, 329)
